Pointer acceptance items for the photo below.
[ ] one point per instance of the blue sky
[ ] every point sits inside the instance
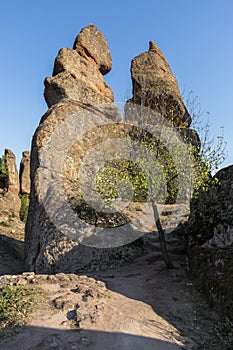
(196, 37)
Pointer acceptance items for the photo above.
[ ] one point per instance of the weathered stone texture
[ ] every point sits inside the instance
(91, 44)
(79, 102)
(210, 231)
(211, 219)
(77, 73)
(13, 177)
(155, 86)
(24, 173)
(9, 193)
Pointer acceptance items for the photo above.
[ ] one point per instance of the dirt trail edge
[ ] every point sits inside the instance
(138, 306)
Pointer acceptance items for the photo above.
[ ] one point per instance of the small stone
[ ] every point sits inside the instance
(28, 274)
(21, 282)
(71, 315)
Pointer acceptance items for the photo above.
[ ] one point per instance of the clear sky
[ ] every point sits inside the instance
(196, 37)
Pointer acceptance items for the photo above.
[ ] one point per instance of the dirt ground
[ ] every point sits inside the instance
(137, 306)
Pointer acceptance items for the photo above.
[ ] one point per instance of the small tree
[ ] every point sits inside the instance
(165, 158)
(212, 148)
(153, 156)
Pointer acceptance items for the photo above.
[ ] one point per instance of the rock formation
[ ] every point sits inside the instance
(13, 177)
(77, 73)
(157, 102)
(79, 102)
(155, 87)
(92, 45)
(211, 217)
(9, 199)
(24, 173)
(210, 232)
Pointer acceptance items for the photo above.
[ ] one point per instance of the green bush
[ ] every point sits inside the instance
(3, 173)
(16, 303)
(24, 207)
(4, 224)
(116, 177)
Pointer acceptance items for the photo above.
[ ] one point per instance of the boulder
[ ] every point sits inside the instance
(24, 173)
(65, 86)
(92, 45)
(77, 77)
(155, 87)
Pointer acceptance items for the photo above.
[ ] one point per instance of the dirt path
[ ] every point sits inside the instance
(138, 306)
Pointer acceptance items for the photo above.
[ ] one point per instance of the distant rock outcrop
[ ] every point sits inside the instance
(13, 176)
(155, 87)
(24, 173)
(9, 194)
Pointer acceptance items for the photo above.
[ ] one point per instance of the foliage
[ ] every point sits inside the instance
(123, 172)
(213, 148)
(4, 224)
(16, 303)
(152, 169)
(160, 165)
(3, 173)
(24, 207)
(3, 167)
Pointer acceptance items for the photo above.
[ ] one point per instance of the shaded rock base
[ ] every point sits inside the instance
(213, 271)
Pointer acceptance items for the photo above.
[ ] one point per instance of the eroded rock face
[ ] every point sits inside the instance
(13, 177)
(211, 219)
(78, 73)
(9, 191)
(210, 230)
(53, 201)
(24, 173)
(155, 86)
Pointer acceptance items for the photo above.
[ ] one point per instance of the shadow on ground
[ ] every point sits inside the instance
(84, 339)
(11, 255)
